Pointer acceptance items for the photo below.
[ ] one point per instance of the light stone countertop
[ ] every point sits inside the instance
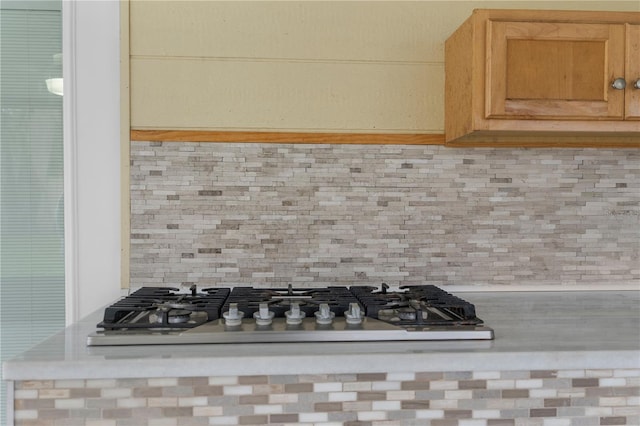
(533, 330)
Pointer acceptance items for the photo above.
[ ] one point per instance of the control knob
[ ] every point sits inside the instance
(263, 316)
(294, 315)
(353, 315)
(324, 315)
(233, 316)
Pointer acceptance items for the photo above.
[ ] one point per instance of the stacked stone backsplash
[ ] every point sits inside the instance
(226, 214)
(450, 398)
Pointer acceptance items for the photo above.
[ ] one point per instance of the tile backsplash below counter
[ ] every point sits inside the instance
(220, 214)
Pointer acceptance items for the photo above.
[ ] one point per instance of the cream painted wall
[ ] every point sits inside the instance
(361, 66)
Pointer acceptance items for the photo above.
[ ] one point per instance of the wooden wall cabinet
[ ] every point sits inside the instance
(544, 78)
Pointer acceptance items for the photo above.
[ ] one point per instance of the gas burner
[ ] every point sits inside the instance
(164, 307)
(177, 316)
(400, 314)
(416, 305)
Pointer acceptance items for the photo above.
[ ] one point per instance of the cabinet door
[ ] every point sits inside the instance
(632, 95)
(543, 70)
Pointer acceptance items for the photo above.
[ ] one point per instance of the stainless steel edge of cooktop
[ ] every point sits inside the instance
(279, 332)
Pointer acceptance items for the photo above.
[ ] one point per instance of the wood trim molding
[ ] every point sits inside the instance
(286, 137)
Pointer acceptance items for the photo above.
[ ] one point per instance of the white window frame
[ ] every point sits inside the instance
(91, 123)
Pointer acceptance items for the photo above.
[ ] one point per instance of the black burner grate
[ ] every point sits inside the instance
(416, 305)
(168, 308)
(160, 307)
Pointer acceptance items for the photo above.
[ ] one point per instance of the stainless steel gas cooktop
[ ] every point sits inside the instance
(164, 315)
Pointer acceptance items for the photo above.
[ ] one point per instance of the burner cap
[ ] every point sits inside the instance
(167, 306)
(178, 316)
(398, 314)
(170, 316)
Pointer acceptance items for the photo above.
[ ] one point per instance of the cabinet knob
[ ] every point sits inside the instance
(637, 84)
(619, 83)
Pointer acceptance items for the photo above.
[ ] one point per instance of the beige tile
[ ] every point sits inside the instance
(116, 393)
(328, 406)
(313, 417)
(283, 398)
(163, 422)
(253, 399)
(146, 392)
(253, 420)
(386, 405)
(327, 387)
(268, 389)
(458, 394)
(100, 422)
(444, 404)
(131, 402)
(34, 384)
(69, 403)
(253, 380)
(237, 390)
(356, 386)
(192, 401)
(400, 395)
(85, 392)
(342, 396)
(355, 406)
(529, 384)
(25, 414)
(268, 409)
(53, 393)
(444, 385)
(101, 383)
(372, 377)
(207, 411)
(223, 380)
(69, 384)
(25, 394)
(162, 402)
(298, 387)
(225, 420)
(429, 414)
(162, 382)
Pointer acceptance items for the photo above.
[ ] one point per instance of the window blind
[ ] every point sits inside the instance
(31, 180)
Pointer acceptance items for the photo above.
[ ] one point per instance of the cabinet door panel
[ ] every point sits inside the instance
(543, 70)
(632, 97)
(567, 58)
